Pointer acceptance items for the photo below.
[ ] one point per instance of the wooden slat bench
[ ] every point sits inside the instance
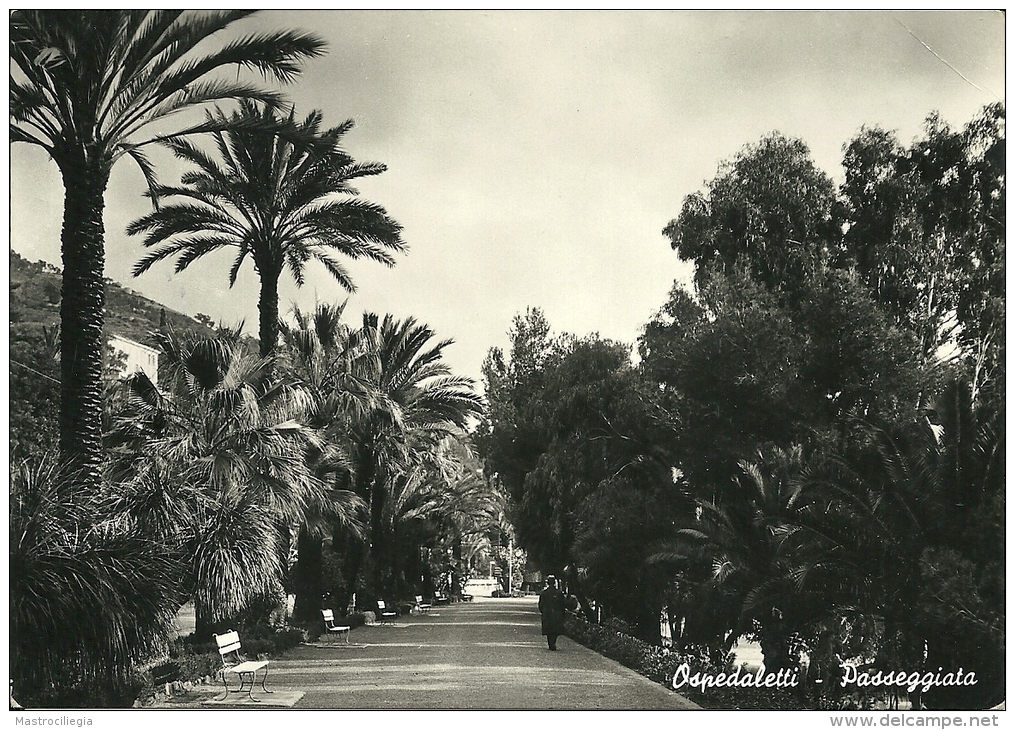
(233, 662)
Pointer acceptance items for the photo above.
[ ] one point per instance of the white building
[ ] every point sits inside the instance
(138, 356)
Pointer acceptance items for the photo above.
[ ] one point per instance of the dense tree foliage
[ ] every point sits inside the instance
(770, 211)
(598, 487)
(809, 452)
(925, 231)
(214, 462)
(78, 563)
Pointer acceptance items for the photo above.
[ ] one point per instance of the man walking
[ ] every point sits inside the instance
(551, 606)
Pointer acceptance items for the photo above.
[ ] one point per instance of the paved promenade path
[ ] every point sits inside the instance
(487, 654)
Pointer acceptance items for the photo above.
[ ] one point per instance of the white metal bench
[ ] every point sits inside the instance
(421, 605)
(332, 627)
(235, 663)
(384, 612)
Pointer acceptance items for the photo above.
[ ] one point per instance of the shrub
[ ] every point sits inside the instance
(659, 664)
(88, 692)
(356, 619)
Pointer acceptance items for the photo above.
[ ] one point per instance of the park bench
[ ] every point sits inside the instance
(439, 598)
(384, 613)
(233, 662)
(421, 605)
(333, 628)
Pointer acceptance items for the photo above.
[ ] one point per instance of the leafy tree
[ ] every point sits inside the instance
(887, 540)
(925, 230)
(854, 357)
(508, 436)
(89, 87)
(731, 370)
(279, 199)
(594, 486)
(981, 300)
(769, 212)
(738, 369)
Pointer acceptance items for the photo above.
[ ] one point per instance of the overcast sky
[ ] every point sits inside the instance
(535, 157)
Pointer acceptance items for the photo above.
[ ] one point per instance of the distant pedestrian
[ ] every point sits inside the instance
(551, 606)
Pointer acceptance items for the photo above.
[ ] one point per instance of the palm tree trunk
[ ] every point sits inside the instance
(81, 317)
(267, 307)
(309, 583)
(378, 536)
(203, 624)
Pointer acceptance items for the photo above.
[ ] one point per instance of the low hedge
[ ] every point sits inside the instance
(660, 663)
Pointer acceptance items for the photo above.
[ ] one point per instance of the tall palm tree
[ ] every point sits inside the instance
(419, 401)
(425, 396)
(320, 352)
(89, 87)
(281, 201)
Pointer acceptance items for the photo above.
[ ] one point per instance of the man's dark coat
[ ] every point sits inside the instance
(551, 606)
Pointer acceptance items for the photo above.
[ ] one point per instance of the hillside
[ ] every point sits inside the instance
(34, 347)
(35, 303)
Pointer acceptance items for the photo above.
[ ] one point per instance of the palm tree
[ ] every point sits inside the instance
(320, 352)
(218, 465)
(902, 529)
(732, 550)
(89, 87)
(92, 593)
(278, 200)
(419, 401)
(862, 527)
(436, 501)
